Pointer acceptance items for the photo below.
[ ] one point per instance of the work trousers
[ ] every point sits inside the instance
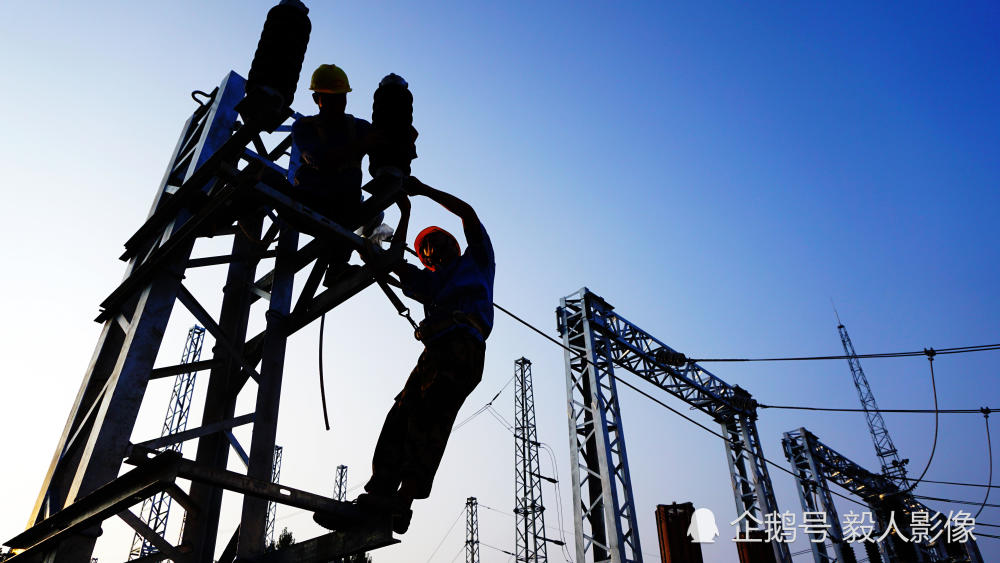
(419, 423)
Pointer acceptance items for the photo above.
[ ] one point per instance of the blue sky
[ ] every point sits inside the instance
(719, 172)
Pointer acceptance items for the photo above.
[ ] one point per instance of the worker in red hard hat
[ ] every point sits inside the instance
(332, 145)
(456, 289)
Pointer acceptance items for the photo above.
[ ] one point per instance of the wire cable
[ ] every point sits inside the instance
(450, 528)
(908, 411)
(954, 501)
(322, 387)
(989, 447)
(956, 350)
(930, 361)
(661, 403)
(962, 484)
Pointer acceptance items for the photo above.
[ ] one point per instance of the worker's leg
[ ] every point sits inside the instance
(388, 460)
(454, 366)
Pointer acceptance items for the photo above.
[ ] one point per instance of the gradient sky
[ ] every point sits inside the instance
(717, 171)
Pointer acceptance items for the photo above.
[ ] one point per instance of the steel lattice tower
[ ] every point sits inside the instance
(597, 339)
(340, 488)
(529, 511)
(892, 466)
(471, 530)
(272, 508)
(156, 509)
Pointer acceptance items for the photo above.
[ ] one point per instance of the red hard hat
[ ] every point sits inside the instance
(420, 240)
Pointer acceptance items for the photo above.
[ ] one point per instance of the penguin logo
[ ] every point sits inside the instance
(703, 528)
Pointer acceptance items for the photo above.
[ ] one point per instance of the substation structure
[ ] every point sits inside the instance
(529, 510)
(228, 176)
(815, 465)
(471, 530)
(597, 339)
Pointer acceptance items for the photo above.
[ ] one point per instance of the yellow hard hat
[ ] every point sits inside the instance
(330, 79)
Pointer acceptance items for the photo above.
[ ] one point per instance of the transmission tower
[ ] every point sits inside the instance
(156, 509)
(596, 339)
(471, 530)
(892, 466)
(272, 507)
(339, 488)
(529, 510)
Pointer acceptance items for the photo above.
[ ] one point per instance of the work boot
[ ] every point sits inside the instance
(397, 507)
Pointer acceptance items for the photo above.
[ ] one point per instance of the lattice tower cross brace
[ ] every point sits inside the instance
(156, 510)
(596, 339)
(529, 511)
(471, 530)
(892, 466)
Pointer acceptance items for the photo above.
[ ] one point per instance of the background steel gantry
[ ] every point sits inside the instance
(892, 466)
(529, 510)
(156, 509)
(272, 507)
(815, 463)
(596, 339)
(222, 179)
(340, 486)
(471, 530)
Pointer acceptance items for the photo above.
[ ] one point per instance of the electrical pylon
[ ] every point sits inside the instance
(471, 530)
(272, 507)
(529, 511)
(596, 340)
(156, 509)
(340, 488)
(892, 466)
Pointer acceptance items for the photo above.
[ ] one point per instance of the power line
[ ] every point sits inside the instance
(953, 501)
(836, 409)
(989, 446)
(956, 350)
(450, 528)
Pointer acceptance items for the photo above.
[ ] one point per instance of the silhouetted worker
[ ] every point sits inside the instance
(332, 145)
(456, 289)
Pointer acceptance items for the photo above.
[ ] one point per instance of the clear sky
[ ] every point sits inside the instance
(717, 171)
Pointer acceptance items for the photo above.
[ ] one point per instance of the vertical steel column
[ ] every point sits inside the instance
(604, 515)
(156, 510)
(471, 530)
(529, 510)
(340, 487)
(814, 494)
(224, 385)
(272, 507)
(265, 427)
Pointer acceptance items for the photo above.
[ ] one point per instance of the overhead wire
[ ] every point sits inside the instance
(930, 360)
(989, 446)
(657, 401)
(955, 350)
(446, 534)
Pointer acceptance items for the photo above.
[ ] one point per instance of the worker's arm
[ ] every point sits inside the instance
(470, 221)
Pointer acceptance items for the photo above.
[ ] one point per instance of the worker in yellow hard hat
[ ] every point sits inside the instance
(332, 144)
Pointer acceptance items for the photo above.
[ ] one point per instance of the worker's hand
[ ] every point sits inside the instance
(412, 186)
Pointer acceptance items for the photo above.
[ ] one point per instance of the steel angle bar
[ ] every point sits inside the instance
(104, 502)
(150, 535)
(177, 369)
(193, 433)
(333, 546)
(203, 316)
